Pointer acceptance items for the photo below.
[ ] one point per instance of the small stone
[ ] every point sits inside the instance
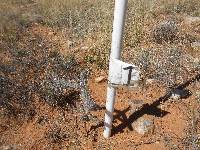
(90, 105)
(40, 45)
(178, 94)
(51, 33)
(100, 79)
(175, 96)
(144, 126)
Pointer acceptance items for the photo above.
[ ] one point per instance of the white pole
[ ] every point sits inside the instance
(118, 25)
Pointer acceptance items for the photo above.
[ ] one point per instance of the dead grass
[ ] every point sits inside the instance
(190, 7)
(92, 20)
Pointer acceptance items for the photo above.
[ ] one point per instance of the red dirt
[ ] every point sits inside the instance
(34, 134)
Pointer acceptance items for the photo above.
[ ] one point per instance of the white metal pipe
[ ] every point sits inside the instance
(118, 26)
(117, 34)
(111, 92)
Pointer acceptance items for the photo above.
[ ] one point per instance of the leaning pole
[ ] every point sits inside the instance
(117, 35)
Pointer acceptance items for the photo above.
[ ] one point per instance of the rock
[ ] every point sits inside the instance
(165, 32)
(100, 79)
(144, 126)
(178, 94)
(88, 117)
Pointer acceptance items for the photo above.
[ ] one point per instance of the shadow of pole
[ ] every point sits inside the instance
(150, 109)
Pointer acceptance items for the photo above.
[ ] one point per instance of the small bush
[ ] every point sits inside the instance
(36, 72)
(170, 66)
(56, 135)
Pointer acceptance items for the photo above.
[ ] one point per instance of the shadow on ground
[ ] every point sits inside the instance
(150, 109)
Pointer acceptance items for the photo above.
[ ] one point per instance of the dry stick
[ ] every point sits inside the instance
(85, 126)
(76, 123)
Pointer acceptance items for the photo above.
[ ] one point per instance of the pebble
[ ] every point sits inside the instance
(144, 126)
(178, 94)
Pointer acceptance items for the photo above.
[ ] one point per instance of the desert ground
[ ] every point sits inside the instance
(54, 58)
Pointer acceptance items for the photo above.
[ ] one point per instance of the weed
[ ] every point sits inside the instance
(27, 76)
(56, 135)
(167, 65)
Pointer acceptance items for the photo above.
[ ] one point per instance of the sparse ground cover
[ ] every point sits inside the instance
(53, 51)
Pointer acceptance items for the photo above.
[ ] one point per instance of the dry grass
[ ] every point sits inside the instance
(91, 20)
(190, 7)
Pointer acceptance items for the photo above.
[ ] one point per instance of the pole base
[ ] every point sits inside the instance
(107, 133)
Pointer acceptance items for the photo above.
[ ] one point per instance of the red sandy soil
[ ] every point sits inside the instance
(171, 120)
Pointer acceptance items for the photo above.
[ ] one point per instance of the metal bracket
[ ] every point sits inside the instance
(122, 73)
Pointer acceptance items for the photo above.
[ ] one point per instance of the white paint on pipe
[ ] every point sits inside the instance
(111, 92)
(118, 25)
